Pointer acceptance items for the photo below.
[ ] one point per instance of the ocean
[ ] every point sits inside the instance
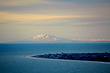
(14, 58)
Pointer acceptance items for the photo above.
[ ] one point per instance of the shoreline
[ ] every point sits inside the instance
(68, 60)
(100, 57)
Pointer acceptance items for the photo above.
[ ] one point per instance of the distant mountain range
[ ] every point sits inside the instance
(46, 38)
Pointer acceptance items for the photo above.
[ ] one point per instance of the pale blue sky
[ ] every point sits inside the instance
(72, 19)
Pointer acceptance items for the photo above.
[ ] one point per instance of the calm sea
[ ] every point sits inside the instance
(13, 58)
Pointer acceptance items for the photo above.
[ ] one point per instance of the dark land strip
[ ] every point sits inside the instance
(104, 57)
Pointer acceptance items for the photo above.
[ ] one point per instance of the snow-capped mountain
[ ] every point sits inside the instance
(44, 38)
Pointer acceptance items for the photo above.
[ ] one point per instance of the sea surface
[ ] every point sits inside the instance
(14, 58)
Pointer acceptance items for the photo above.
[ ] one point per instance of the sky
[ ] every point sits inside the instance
(73, 19)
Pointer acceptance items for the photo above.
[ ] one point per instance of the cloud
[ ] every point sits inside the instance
(50, 20)
(91, 39)
(55, 7)
(14, 17)
(20, 2)
(91, 23)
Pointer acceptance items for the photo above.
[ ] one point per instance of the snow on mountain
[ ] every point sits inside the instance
(44, 37)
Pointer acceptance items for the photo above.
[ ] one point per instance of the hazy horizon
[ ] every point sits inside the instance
(82, 20)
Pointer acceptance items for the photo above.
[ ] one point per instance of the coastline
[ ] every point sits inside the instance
(99, 57)
(30, 56)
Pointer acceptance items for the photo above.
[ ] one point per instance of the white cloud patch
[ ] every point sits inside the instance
(91, 39)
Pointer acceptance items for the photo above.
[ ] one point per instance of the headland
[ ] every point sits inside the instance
(104, 57)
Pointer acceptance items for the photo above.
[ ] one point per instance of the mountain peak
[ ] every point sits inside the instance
(44, 37)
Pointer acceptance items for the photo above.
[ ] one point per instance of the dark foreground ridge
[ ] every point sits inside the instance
(104, 57)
